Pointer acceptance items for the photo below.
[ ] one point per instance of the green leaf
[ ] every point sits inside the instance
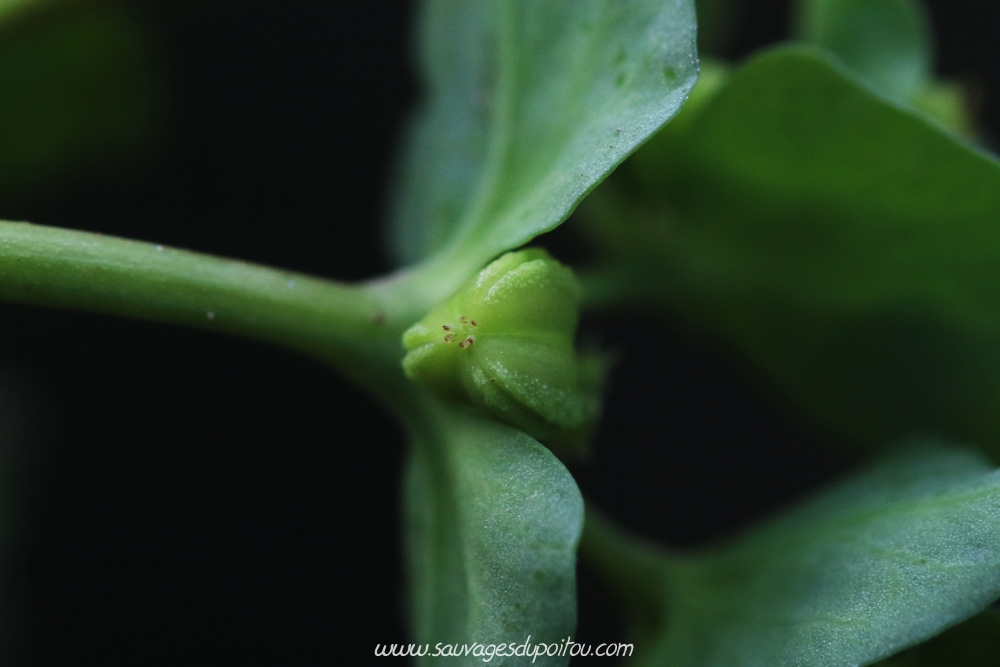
(876, 564)
(885, 42)
(80, 92)
(529, 105)
(493, 521)
(846, 246)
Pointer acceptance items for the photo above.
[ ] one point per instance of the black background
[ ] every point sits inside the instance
(189, 498)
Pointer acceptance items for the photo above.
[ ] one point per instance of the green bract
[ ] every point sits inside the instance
(505, 343)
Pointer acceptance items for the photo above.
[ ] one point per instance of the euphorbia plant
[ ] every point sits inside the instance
(794, 210)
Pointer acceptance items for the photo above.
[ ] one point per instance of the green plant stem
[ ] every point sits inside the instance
(356, 328)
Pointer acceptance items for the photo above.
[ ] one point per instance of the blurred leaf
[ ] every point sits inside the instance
(9, 8)
(873, 565)
(885, 42)
(887, 45)
(79, 90)
(529, 105)
(846, 246)
(494, 519)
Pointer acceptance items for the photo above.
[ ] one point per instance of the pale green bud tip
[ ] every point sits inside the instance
(505, 343)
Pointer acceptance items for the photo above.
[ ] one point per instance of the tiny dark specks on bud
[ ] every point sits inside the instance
(505, 344)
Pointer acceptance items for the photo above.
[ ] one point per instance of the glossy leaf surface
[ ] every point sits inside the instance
(529, 105)
(878, 563)
(846, 246)
(493, 523)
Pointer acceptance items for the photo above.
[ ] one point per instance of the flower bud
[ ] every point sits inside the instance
(505, 344)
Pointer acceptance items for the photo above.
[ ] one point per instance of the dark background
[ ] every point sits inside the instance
(183, 498)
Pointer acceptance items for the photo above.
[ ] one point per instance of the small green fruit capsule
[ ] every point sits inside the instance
(505, 344)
